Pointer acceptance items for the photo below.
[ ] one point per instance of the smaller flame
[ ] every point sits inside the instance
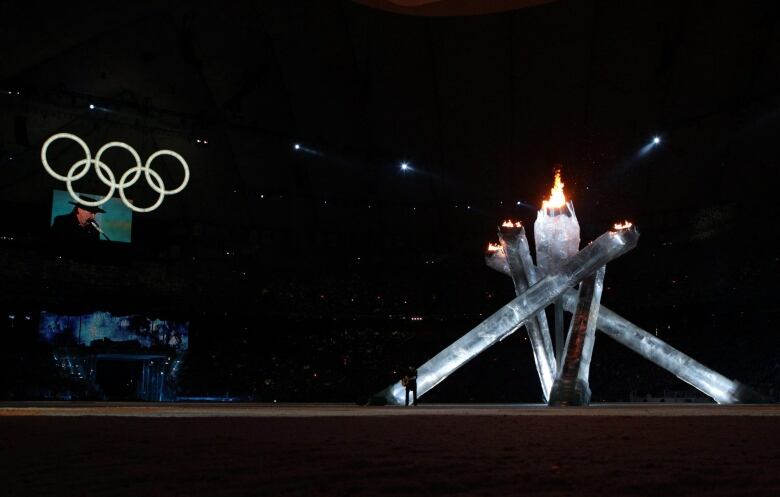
(557, 198)
(623, 225)
(493, 247)
(509, 224)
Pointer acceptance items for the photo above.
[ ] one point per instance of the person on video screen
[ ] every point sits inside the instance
(79, 224)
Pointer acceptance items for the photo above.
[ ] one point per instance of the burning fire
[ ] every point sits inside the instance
(557, 199)
(493, 247)
(623, 225)
(509, 224)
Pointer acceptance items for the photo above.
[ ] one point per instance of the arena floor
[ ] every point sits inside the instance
(69, 449)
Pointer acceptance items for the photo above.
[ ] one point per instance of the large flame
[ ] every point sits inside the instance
(493, 247)
(622, 226)
(557, 199)
(510, 224)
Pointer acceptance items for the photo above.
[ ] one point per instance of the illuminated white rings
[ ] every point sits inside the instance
(81, 167)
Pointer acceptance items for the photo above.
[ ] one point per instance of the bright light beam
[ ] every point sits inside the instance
(656, 141)
(521, 203)
(300, 148)
(405, 168)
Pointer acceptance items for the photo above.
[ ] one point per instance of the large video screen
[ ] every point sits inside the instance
(73, 222)
(101, 326)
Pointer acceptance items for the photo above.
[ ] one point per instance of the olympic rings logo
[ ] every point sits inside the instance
(80, 169)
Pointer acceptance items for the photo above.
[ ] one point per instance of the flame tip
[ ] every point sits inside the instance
(493, 247)
(511, 224)
(557, 198)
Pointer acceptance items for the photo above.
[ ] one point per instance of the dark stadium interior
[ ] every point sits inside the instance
(299, 270)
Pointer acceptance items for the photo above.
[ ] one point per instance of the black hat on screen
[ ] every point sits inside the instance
(91, 208)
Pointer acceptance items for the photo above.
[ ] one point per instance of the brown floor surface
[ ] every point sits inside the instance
(171, 450)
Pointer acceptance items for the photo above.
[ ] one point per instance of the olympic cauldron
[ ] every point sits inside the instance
(563, 374)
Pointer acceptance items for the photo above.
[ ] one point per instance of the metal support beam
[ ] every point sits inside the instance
(518, 259)
(559, 336)
(571, 385)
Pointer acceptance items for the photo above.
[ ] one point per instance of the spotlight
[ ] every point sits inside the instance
(404, 166)
(91, 106)
(297, 146)
(654, 142)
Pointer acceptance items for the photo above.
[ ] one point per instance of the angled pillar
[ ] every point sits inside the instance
(506, 320)
(571, 385)
(518, 260)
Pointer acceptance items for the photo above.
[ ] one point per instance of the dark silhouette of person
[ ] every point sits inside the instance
(410, 382)
(78, 225)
